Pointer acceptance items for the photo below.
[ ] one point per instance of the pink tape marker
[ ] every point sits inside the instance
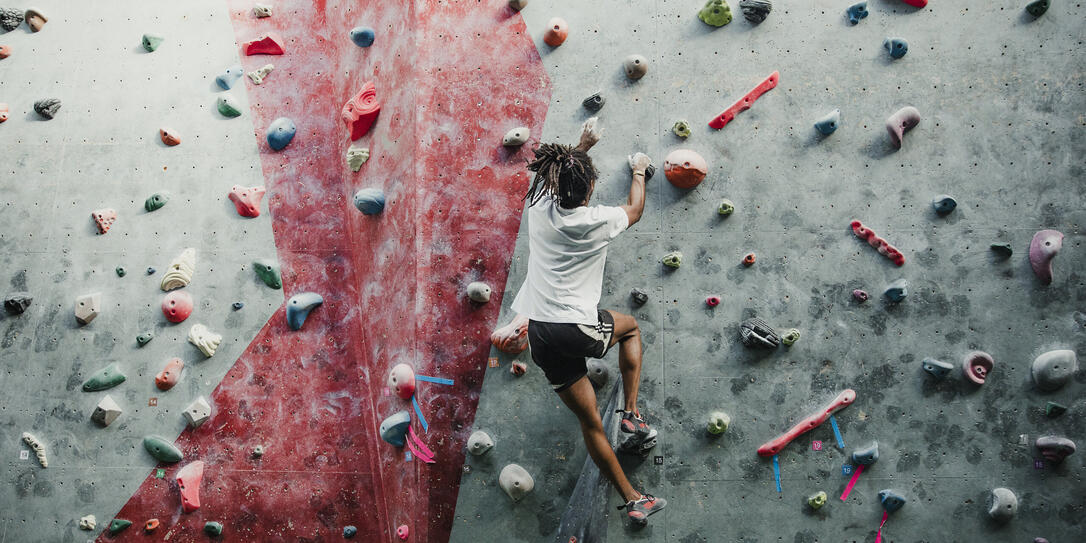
(852, 482)
(878, 536)
(744, 103)
(422, 446)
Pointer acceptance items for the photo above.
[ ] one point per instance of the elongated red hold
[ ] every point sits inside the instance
(247, 200)
(188, 482)
(268, 44)
(360, 112)
(744, 103)
(843, 400)
(884, 248)
(916, 3)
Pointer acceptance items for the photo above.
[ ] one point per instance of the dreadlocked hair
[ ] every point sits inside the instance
(562, 172)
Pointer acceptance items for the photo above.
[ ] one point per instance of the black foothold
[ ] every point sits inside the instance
(238, 305)
(639, 296)
(18, 302)
(594, 103)
(150, 271)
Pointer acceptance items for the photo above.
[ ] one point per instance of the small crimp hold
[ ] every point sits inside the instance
(594, 103)
(936, 368)
(896, 291)
(257, 76)
(725, 208)
(856, 12)
(749, 259)
(151, 42)
(169, 137)
(872, 239)
(674, 259)
(860, 295)
(828, 124)
(943, 204)
(1002, 249)
(816, 501)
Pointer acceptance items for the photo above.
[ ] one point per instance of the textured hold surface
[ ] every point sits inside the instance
(725, 207)
(635, 66)
(104, 219)
(268, 44)
(1037, 7)
(156, 201)
(790, 337)
(181, 270)
(394, 428)
(881, 245)
(594, 103)
(513, 337)
(169, 137)
(943, 204)
(213, 528)
(860, 295)
(755, 10)
(896, 291)
(517, 5)
(598, 373)
(516, 137)
(1044, 247)
(105, 378)
(518, 368)
(120, 271)
(812, 421)
(718, 422)
(674, 259)
(639, 296)
(937, 368)
(35, 19)
(712, 301)
(756, 332)
(162, 449)
(1054, 369)
(480, 443)
(681, 128)
(1002, 504)
(685, 169)
(891, 500)
(257, 76)
(204, 339)
(356, 157)
(118, 525)
(370, 201)
(976, 366)
(38, 447)
(299, 306)
(828, 124)
(557, 32)
(10, 18)
(715, 13)
(516, 481)
(88, 522)
(866, 455)
(1055, 448)
(856, 12)
(816, 501)
(106, 411)
(47, 107)
(197, 412)
(916, 3)
(280, 133)
(188, 483)
(361, 111)
(177, 306)
(268, 272)
(17, 302)
(901, 122)
(228, 106)
(229, 77)
(87, 307)
(247, 200)
(479, 292)
(401, 381)
(363, 36)
(262, 10)
(170, 374)
(152, 41)
(897, 47)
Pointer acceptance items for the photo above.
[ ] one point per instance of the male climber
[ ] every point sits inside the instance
(567, 242)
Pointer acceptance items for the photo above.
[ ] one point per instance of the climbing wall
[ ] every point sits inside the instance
(1001, 97)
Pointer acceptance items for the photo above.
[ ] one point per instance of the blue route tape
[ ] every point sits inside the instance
(422, 419)
(777, 472)
(438, 380)
(837, 433)
(407, 456)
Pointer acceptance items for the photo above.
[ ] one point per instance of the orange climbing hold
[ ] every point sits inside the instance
(104, 219)
(360, 112)
(685, 169)
(188, 482)
(268, 44)
(557, 32)
(151, 525)
(5, 51)
(169, 137)
(3, 112)
(168, 377)
(748, 260)
(247, 200)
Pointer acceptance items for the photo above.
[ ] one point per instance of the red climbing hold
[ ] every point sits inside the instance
(247, 200)
(169, 137)
(884, 248)
(3, 112)
(749, 259)
(188, 482)
(843, 400)
(712, 301)
(745, 102)
(268, 44)
(104, 219)
(177, 306)
(360, 112)
(168, 377)
(916, 3)
(402, 381)
(403, 531)
(685, 169)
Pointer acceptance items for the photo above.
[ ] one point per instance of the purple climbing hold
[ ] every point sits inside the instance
(860, 295)
(1042, 249)
(1055, 448)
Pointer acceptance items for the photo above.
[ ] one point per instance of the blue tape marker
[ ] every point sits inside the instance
(438, 380)
(837, 433)
(422, 419)
(777, 472)
(407, 456)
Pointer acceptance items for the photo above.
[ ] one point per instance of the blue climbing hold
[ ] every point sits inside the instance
(238, 305)
(944, 204)
(280, 132)
(937, 368)
(370, 201)
(856, 12)
(896, 46)
(394, 428)
(299, 306)
(897, 291)
(227, 79)
(349, 532)
(826, 125)
(866, 455)
(362, 36)
(891, 501)
(150, 270)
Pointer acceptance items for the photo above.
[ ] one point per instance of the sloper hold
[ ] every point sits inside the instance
(349, 532)
(557, 32)
(156, 201)
(401, 381)
(880, 245)
(204, 339)
(635, 66)
(976, 366)
(856, 12)
(104, 219)
(197, 412)
(516, 137)
(38, 447)
(35, 19)
(188, 482)
(228, 106)
(299, 306)
(394, 428)
(261, 11)
(105, 378)
(268, 272)
(180, 272)
(685, 168)
(1037, 7)
(106, 411)
(1042, 249)
(756, 332)
(1054, 369)
(719, 422)
(356, 157)
(828, 124)
(891, 500)
(370, 201)
(169, 137)
(247, 200)
(88, 522)
(213, 528)
(516, 481)
(177, 306)
(257, 76)
(755, 10)
(744, 103)
(87, 307)
(1002, 504)
(17, 303)
(47, 107)
(268, 44)
(229, 77)
(816, 501)
(936, 368)
(598, 373)
(152, 41)
(897, 47)
(715, 13)
(943, 204)
(866, 455)
(170, 374)
(479, 292)
(363, 36)
(118, 525)
(280, 132)
(10, 18)
(901, 122)
(162, 449)
(896, 291)
(1055, 448)
(479, 443)
(594, 103)
(361, 111)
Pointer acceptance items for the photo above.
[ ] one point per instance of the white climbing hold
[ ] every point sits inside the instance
(86, 307)
(106, 412)
(198, 412)
(516, 481)
(1054, 369)
(39, 449)
(204, 339)
(1002, 504)
(179, 274)
(260, 73)
(261, 11)
(480, 443)
(516, 137)
(356, 157)
(88, 523)
(479, 292)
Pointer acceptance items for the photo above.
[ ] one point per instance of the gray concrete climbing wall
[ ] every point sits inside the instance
(103, 150)
(1001, 96)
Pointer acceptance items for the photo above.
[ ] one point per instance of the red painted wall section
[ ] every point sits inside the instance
(452, 77)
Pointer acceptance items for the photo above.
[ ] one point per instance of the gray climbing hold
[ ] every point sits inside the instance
(280, 133)
(756, 332)
(635, 66)
(10, 18)
(229, 77)
(1054, 369)
(828, 124)
(479, 443)
(143, 338)
(937, 368)
(1037, 7)
(897, 291)
(891, 500)
(197, 412)
(897, 47)
(362, 36)
(856, 12)
(151, 42)
(1002, 249)
(17, 303)
(47, 107)
(598, 373)
(1002, 504)
(228, 106)
(515, 481)
(370, 201)
(394, 428)
(349, 532)
(866, 455)
(516, 137)
(594, 103)
(299, 306)
(1055, 448)
(106, 412)
(479, 292)
(755, 10)
(238, 305)
(639, 296)
(943, 204)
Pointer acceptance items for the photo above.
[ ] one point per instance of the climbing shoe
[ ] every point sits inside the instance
(633, 424)
(639, 510)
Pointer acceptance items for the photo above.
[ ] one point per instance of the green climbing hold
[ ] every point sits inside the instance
(145, 337)
(790, 337)
(121, 272)
(1053, 409)
(269, 273)
(1002, 249)
(107, 377)
(816, 501)
(726, 207)
(152, 41)
(1037, 8)
(156, 201)
(673, 259)
(718, 423)
(213, 528)
(118, 525)
(228, 106)
(681, 128)
(161, 449)
(716, 13)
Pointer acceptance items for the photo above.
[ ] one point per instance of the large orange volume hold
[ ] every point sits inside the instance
(360, 112)
(685, 168)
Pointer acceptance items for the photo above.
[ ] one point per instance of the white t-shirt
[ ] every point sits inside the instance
(566, 252)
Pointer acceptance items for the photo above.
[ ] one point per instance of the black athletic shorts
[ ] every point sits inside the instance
(560, 349)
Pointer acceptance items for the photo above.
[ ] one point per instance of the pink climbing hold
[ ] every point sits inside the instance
(774, 446)
(403, 531)
(884, 248)
(916, 3)
(177, 306)
(402, 381)
(712, 301)
(518, 368)
(104, 219)
(513, 337)
(976, 366)
(268, 44)
(744, 103)
(188, 482)
(860, 295)
(360, 112)
(247, 200)
(1042, 249)
(901, 122)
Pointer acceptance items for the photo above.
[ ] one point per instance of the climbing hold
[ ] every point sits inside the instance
(5, 51)
(88, 523)
(897, 47)
(712, 301)
(104, 219)
(370, 201)
(268, 272)
(188, 482)
(261, 11)
(515, 481)
(937, 368)
(169, 137)
(756, 332)
(47, 107)
(402, 532)
(204, 339)
(1055, 448)
(168, 377)
(517, 5)
(916, 3)
(280, 132)
(258, 451)
(856, 12)
(162, 449)
(639, 295)
(257, 76)
(891, 501)
(897, 291)
(152, 41)
(518, 368)
(790, 337)
(726, 207)
(356, 157)
(479, 292)
(1037, 7)
(749, 259)
(976, 366)
(755, 10)
(901, 122)
(401, 380)
(156, 201)
(513, 337)
(635, 66)
(86, 307)
(715, 13)
(17, 303)
(349, 532)
(247, 200)
(394, 428)
(213, 528)
(181, 269)
(744, 103)
(598, 373)
(106, 411)
(943, 204)
(516, 137)
(557, 31)
(362, 36)
(828, 124)
(841, 401)
(1054, 369)
(816, 501)
(299, 306)
(38, 447)
(3, 112)
(230, 76)
(197, 412)
(1002, 249)
(35, 19)
(177, 306)
(361, 111)
(594, 103)
(681, 128)
(10, 18)
(480, 443)
(685, 169)
(1042, 249)
(1002, 504)
(105, 378)
(1053, 409)
(884, 248)
(151, 525)
(866, 455)
(718, 423)
(118, 525)
(228, 106)
(268, 44)
(860, 295)
(238, 305)
(674, 259)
